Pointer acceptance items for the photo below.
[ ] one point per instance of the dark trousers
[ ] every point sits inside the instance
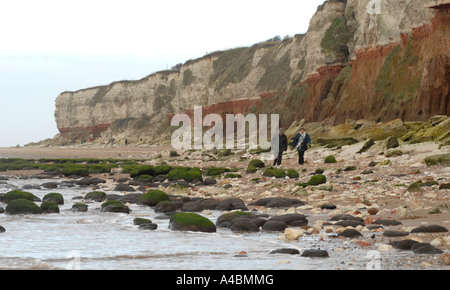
(279, 159)
(301, 157)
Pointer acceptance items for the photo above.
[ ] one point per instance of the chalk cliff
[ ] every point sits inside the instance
(377, 60)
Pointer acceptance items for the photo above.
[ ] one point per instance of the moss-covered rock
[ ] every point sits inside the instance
(75, 170)
(366, 146)
(256, 163)
(274, 172)
(114, 206)
(49, 207)
(22, 206)
(162, 169)
(186, 173)
(292, 173)
(141, 221)
(191, 222)
(214, 171)
(17, 194)
(98, 196)
(145, 178)
(79, 207)
(153, 197)
(233, 175)
(392, 142)
(315, 180)
(55, 197)
(141, 170)
(330, 159)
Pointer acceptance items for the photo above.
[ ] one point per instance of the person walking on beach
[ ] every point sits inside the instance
(302, 142)
(282, 146)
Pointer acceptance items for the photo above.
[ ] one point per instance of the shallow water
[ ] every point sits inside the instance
(96, 240)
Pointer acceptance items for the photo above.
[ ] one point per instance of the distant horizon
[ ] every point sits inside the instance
(47, 49)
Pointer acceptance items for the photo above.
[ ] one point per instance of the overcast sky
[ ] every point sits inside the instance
(51, 46)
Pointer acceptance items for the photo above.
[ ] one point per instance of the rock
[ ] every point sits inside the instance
(274, 172)
(141, 221)
(231, 204)
(2, 229)
(209, 203)
(414, 187)
(404, 244)
(153, 197)
(392, 142)
(395, 234)
(386, 222)
(18, 194)
(87, 181)
(114, 206)
(49, 207)
(425, 248)
(328, 206)
(287, 251)
(275, 202)
(22, 206)
(192, 206)
(313, 253)
(165, 206)
(372, 211)
(209, 181)
(330, 159)
(79, 207)
(295, 219)
(97, 196)
(274, 226)
(148, 226)
(55, 197)
(50, 185)
(2, 210)
(291, 234)
(228, 219)
(349, 233)
(444, 186)
(429, 229)
(191, 222)
(315, 180)
(124, 187)
(343, 217)
(245, 225)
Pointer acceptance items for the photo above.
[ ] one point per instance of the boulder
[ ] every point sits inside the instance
(429, 229)
(165, 206)
(274, 202)
(153, 197)
(287, 251)
(18, 194)
(231, 204)
(386, 222)
(49, 207)
(79, 207)
(55, 197)
(350, 233)
(114, 206)
(124, 187)
(22, 206)
(97, 196)
(315, 253)
(191, 222)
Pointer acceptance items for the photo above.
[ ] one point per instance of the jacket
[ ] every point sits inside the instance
(305, 143)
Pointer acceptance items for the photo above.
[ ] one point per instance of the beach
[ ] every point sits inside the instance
(364, 186)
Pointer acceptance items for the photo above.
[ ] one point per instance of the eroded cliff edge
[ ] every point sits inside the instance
(378, 63)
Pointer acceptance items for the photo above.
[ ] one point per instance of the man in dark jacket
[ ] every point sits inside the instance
(302, 142)
(283, 145)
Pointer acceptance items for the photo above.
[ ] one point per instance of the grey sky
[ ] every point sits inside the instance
(51, 46)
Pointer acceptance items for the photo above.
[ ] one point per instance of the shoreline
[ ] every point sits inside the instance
(354, 192)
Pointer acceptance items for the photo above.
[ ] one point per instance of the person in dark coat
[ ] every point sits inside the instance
(283, 146)
(302, 142)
